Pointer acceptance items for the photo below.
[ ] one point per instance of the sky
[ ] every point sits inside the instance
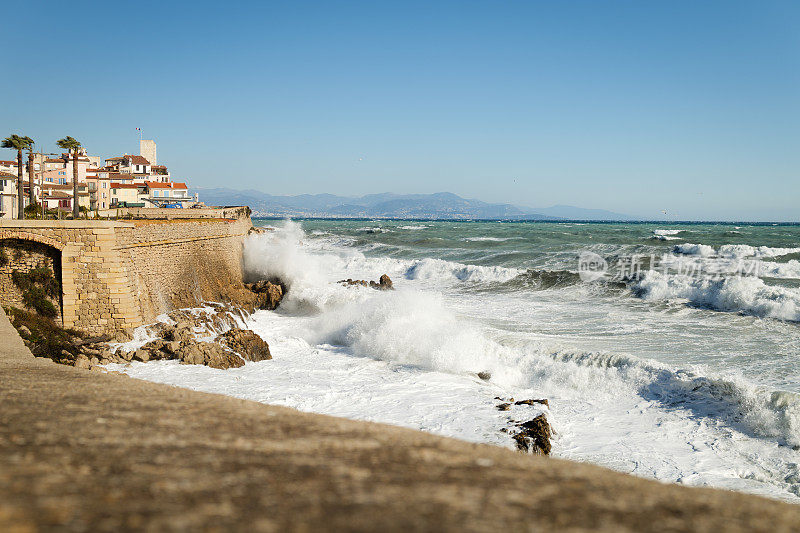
(637, 107)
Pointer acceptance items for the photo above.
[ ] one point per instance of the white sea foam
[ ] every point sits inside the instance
(703, 250)
(662, 232)
(747, 295)
(412, 227)
(438, 269)
(732, 250)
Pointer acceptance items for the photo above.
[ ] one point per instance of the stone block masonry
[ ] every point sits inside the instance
(116, 275)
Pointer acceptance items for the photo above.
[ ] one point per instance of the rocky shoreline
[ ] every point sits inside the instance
(215, 335)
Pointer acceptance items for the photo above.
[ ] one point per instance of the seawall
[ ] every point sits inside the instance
(116, 275)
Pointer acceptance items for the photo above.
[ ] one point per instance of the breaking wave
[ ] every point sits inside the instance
(757, 411)
(732, 250)
(745, 295)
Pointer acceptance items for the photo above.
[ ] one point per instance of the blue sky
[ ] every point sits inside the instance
(637, 107)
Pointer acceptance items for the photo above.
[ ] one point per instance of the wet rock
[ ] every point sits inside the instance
(269, 293)
(532, 402)
(142, 355)
(485, 376)
(82, 362)
(504, 407)
(171, 347)
(247, 344)
(209, 354)
(125, 355)
(534, 436)
(24, 331)
(383, 284)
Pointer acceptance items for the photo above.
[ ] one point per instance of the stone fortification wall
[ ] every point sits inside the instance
(118, 275)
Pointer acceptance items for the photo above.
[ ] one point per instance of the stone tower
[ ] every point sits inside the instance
(147, 149)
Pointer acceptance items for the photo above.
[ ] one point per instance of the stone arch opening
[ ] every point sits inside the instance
(24, 283)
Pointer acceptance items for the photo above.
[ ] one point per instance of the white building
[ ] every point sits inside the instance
(8, 195)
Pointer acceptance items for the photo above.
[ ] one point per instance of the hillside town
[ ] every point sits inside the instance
(103, 185)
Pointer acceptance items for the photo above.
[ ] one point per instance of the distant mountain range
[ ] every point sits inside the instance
(443, 205)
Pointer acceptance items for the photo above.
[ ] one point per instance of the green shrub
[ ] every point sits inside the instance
(35, 298)
(36, 286)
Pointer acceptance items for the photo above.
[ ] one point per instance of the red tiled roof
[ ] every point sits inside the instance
(138, 160)
(56, 194)
(158, 185)
(13, 163)
(124, 186)
(65, 186)
(6, 175)
(116, 176)
(55, 161)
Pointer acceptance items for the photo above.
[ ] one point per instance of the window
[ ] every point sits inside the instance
(105, 185)
(62, 173)
(113, 191)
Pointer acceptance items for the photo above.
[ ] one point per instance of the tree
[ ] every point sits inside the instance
(19, 143)
(68, 143)
(31, 192)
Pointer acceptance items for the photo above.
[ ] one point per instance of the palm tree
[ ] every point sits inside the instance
(68, 143)
(19, 143)
(31, 193)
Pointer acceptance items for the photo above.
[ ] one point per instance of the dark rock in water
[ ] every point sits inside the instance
(531, 402)
(534, 436)
(247, 344)
(269, 293)
(504, 407)
(383, 284)
(485, 376)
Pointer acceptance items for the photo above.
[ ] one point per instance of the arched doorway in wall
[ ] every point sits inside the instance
(30, 276)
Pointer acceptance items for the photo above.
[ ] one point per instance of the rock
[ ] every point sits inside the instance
(142, 355)
(191, 355)
(94, 361)
(269, 293)
(24, 331)
(383, 284)
(531, 402)
(504, 407)
(485, 376)
(68, 355)
(247, 344)
(82, 362)
(171, 347)
(125, 355)
(258, 231)
(534, 436)
(209, 354)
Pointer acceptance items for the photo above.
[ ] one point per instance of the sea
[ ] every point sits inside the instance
(665, 350)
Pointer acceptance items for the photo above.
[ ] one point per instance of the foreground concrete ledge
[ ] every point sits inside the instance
(87, 451)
